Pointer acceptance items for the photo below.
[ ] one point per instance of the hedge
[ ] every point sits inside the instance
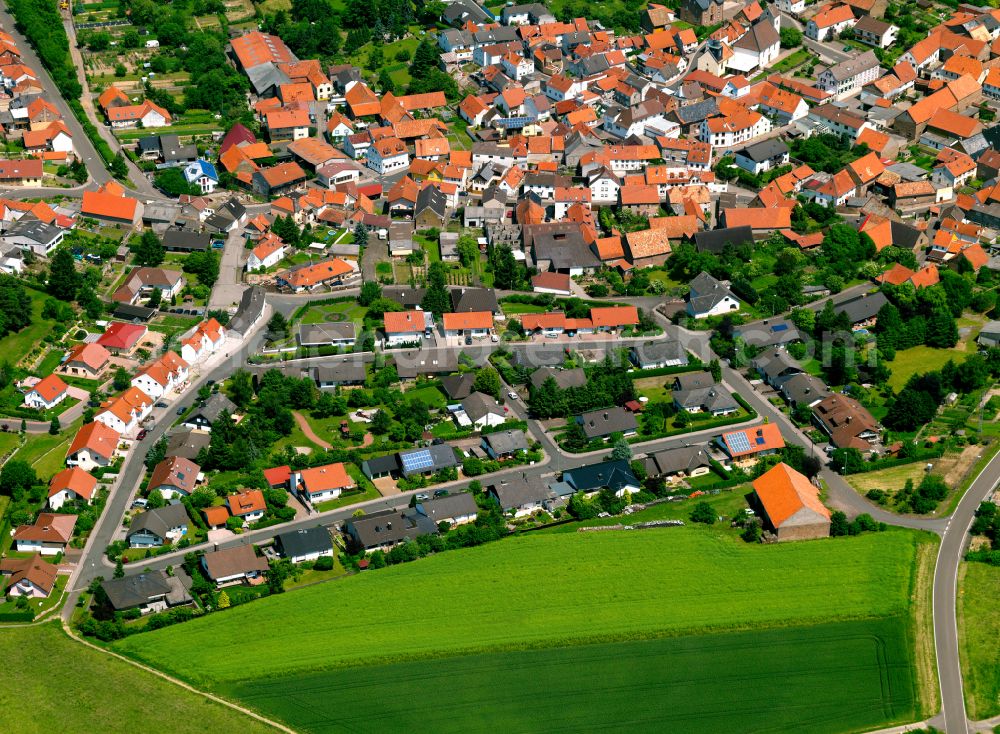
(694, 365)
(869, 466)
(25, 616)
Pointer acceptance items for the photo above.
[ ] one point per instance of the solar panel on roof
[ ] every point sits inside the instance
(779, 327)
(739, 443)
(417, 460)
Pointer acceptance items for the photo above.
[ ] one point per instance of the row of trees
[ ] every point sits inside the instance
(607, 384)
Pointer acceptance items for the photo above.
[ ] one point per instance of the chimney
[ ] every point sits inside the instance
(605, 415)
(388, 526)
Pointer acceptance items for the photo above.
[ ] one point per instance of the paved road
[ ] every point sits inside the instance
(229, 287)
(953, 717)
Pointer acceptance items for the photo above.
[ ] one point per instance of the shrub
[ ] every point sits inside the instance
(703, 513)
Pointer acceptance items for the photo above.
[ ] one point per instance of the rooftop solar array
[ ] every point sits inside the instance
(738, 442)
(417, 461)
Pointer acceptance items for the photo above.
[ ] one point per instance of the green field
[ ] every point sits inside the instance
(911, 361)
(979, 638)
(542, 591)
(47, 453)
(709, 683)
(16, 345)
(52, 683)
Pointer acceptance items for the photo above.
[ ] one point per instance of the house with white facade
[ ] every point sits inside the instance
(47, 393)
(387, 156)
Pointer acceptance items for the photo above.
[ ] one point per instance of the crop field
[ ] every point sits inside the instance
(42, 692)
(844, 676)
(542, 591)
(979, 638)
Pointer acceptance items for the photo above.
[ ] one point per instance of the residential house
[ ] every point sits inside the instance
(680, 463)
(47, 393)
(94, 446)
(125, 412)
(173, 477)
(141, 283)
(789, 505)
(504, 444)
(30, 577)
(215, 407)
(605, 422)
(328, 334)
(248, 505)
(49, 535)
(149, 591)
(695, 392)
(455, 509)
(849, 76)
(481, 410)
(614, 475)
(846, 422)
(159, 526)
(406, 327)
(523, 495)
(763, 156)
(745, 446)
(710, 297)
(236, 565)
(71, 485)
(830, 22)
(386, 529)
(304, 544)
(475, 324)
(658, 354)
(322, 483)
(268, 252)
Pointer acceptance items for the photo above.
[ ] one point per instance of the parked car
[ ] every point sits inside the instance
(140, 504)
(161, 404)
(180, 410)
(494, 338)
(142, 434)
(468, 340)
(440, 492)
(422, 497)
(512, 395)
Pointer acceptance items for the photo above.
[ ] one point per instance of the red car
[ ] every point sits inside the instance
(142, 434)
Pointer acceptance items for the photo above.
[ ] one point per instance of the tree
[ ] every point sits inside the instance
(703, 513)
(278, 325)
(621, 451)
(119, 169)
(205, 265)
(119, 569)
(122, 380)
(63, 278)
(17, 476)
(505, 268)
(752, 532)
(223, 601)
(54, 426)
(157, 453)
(436, 299)
(487, 381)
(838, 524)
(241, 388)
(790, 37)
(371, 290)
(716, 369)
(360, 234)
(155, 500)
(468, 250)
(149, 251)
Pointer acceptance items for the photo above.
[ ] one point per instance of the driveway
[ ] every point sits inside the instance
(228, 289)
(376, 251)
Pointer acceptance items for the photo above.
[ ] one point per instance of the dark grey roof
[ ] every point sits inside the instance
(716, 240)
(764, 150)
(523, 490)
(468, 300)
(478, 405)
(461, 504)
(665, 350)
(682, 459)
(694, 380)
(853, 66)
(345, 371)
(706, 292)
(149, 144)
(265, 77)
(769, 332)
(326, 332)
(134, 591)
(381, 465)
(128, 312)
(597, 423)
(251, 308)
(575, 377)
(863, 307)
(187, 443)
(506, 442)
(458, 386)
(905, 236)
(692, 113)
(413, 362)
(407, 297)
(159, 521)
(33, 229)
(390, 527)
(173, 152)
(614, 475)
(775, 362)
(186, 240)
(804, 388)
(214, 407)
(431, 197)
(303, 541)
(503, 34)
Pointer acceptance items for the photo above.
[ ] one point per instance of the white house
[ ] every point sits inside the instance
(322, 483)
(850, 75)
(268, 252)
(728, 131)
(406, 327)
(94, 446)
(710, 297)
(161, 376)
(388, 155)
(201, 173)
(71, 485)
(482, 410)
(792, 7)
(47, 393)
(208, 336)
(830, 22)
(476, 324)
(604, 186)
(125, 412)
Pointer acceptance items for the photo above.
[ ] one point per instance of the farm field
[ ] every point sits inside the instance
(585, 590)
(859, 676)
(979, 638)
(45, 666)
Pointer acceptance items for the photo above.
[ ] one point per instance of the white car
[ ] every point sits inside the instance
(494, 338)
(512, 395)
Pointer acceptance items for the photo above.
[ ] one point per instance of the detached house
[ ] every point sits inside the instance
(322, 483)
(50, 535)
(830, 22)
(95, 445)
(47, 393)
(71, 485)
(248, 505)
(156, 527)
(387, 156)
(709, 297)
(175, 476)
(234, 566)
(846, 422)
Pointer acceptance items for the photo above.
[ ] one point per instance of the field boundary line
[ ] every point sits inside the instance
(178, 682)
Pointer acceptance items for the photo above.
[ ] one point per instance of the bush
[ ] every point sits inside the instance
(323, 564)
(703, 513)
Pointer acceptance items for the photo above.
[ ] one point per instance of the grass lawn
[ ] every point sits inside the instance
(979, 638)
(350, 498)
(794, 59)
(8, 442)
(657, 389)
(346, 311)
(588, 598)
(920, 359)
(432, 397)
(859, 675)
(15, 346)
(47, 453)
(48, 365)
(44, 665)
(511, 309)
